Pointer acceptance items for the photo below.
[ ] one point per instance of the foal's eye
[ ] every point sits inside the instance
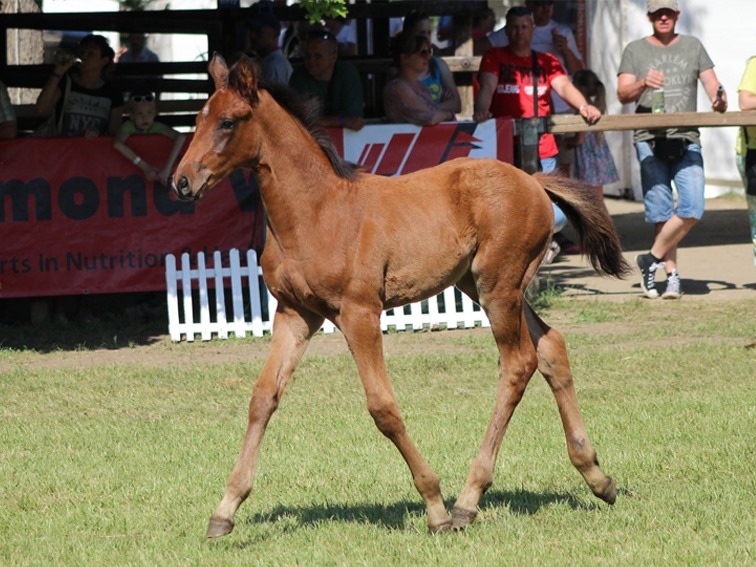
(227, 124)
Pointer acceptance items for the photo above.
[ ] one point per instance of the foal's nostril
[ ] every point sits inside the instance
(183, 186)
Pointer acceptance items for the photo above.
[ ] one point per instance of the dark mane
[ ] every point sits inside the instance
(307, 111)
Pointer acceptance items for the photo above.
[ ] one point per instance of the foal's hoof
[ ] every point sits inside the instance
(462, 518)
(219, 527)
(608, 493)
(443, 526)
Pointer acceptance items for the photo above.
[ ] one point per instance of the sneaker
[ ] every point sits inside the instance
(648, 266)
(673, 291)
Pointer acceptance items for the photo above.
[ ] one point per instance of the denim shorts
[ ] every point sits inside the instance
(657, 177)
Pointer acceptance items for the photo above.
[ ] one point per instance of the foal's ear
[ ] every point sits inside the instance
(244, 75)
(219, 71)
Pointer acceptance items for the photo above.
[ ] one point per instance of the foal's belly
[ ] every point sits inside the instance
(422, 277)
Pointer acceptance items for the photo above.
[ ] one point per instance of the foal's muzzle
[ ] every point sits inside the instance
(184, 191)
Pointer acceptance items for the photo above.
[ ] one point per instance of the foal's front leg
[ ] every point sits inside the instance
(292, 331)
(361, 328)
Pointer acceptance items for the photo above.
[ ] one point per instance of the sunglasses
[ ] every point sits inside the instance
(142, 98)
(425, 52)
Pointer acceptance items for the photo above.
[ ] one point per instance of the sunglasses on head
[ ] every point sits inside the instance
(142, 98)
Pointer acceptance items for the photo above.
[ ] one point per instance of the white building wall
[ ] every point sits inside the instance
(727, 28)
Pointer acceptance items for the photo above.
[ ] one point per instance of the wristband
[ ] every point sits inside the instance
(582, 107)
(137, 160)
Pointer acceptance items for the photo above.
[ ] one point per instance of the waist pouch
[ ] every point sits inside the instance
(669, 150)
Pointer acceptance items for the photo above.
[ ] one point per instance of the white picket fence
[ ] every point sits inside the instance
(219, 300)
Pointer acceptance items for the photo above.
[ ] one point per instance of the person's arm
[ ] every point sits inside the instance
(116, 119)
(450, 99)
(630, 88)
(49, 96)
(747, 87)
(567, 47)
(565, 89)
(120, 144)
(178, 143)
(746, 100)
(710, 84)
(482, 108)
(412, 108)
(51, 92)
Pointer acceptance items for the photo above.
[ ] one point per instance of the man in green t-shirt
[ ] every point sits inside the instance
(663, 70)
(336, 84)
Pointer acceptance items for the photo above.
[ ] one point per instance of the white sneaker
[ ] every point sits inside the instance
(674, 289)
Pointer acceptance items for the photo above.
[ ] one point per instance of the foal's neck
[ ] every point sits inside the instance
(294, 173)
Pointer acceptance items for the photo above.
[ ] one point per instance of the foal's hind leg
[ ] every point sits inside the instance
(553, 364)
(361, 328)
(517, 363)
(291, 335)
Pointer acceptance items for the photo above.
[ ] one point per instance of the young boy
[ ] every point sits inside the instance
(142, 112)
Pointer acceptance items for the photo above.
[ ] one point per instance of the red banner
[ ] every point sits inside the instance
(76, 217)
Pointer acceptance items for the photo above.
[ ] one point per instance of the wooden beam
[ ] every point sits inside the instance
(567, 123)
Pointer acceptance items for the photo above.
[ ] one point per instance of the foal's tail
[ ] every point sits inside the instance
(598, 238)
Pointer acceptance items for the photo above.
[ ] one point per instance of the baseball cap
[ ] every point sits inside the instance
(264, 20)
(656, 5)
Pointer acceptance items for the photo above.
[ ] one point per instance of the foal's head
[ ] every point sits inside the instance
(228, 137)
(224, 139)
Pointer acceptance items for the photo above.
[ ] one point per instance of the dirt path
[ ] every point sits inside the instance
(715, 260)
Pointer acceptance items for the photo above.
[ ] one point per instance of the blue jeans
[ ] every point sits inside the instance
(657, 177)
(560, 221)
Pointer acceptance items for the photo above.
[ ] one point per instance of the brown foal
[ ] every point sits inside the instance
(345, 245)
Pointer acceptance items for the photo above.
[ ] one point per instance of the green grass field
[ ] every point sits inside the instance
(122, 463)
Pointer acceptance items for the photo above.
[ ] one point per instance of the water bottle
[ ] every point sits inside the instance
(657, 101)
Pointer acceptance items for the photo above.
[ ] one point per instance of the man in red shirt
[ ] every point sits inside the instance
(506, 82)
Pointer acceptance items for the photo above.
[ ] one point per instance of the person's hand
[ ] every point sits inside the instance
(560, 42)
(91, 134)
(654, 79)
(482, 115)
(150, 172)
(164, 175)
(590, 113)
(720, 103)
(354, 122)
(63, 62)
